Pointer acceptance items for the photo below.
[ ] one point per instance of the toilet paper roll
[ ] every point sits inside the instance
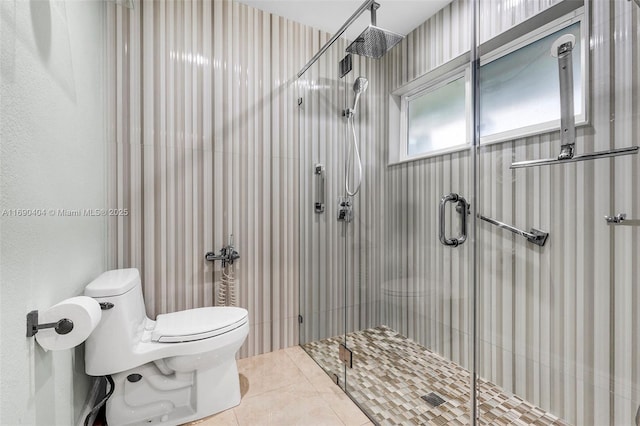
(82, 310)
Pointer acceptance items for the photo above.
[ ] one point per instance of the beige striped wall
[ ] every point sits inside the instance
(204, 144)
(558, 325)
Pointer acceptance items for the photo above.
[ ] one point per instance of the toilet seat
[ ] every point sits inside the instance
(197, 324)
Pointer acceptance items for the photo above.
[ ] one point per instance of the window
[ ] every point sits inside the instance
(519, 93)
(520, 89)
(429, 116)
(437, 119)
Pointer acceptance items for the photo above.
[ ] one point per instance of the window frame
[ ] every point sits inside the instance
(428, 83)
(508, 47)
(499, 46)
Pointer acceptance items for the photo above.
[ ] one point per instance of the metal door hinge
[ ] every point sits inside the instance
(299, 101)
(300, 319)
(346, 356)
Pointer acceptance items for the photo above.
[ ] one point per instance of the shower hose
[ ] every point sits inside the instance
(353, 148)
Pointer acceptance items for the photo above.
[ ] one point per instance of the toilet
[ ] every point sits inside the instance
(178, 368)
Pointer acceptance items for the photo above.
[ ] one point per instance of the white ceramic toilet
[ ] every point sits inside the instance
(178, 368)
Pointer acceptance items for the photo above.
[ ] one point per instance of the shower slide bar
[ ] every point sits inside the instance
(534, 236)
(621, 219)
(562, 49)
(367, 5)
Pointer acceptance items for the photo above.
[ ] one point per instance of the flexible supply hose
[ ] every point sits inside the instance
(353, 146)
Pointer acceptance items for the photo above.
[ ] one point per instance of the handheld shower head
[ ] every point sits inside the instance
(359, 86)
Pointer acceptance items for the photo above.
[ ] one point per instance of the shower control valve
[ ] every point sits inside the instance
(348, 113)
(345, 209)
(228, 255)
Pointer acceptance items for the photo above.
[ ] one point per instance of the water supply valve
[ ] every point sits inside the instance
(228, 254)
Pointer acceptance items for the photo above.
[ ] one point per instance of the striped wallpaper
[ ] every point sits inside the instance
(204, 144)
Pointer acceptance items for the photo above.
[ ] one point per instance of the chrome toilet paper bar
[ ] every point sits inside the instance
(63, 326)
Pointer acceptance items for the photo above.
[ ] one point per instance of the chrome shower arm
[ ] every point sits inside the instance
(367, 5)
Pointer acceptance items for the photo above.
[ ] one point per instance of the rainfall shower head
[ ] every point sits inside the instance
(359, 86)
(374, 42)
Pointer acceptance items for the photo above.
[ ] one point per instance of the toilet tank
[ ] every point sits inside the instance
(109, 347)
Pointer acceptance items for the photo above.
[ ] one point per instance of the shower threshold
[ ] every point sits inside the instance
(392, 374)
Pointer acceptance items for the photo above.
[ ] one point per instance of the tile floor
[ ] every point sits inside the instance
(285, 388)
(392, 372)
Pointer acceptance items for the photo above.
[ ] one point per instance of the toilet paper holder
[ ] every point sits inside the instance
(63, 326)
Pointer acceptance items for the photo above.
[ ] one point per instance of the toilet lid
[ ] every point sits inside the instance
(197, 324)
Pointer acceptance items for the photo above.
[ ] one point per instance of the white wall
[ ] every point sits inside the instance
(52, 156)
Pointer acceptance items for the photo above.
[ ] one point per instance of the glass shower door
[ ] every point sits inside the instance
(409, 321)
(557, 316)
(323, 239)
(415, 365)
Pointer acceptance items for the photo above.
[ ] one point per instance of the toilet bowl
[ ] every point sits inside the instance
(178, 368)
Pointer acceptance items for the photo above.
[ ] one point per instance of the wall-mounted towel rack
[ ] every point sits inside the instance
(562, 49)
(621, 219)
(534, 236)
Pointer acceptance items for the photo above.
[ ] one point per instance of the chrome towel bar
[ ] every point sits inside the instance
(621, 219)
(534, 236)
(563, 50)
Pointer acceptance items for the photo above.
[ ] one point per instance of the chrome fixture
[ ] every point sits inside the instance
(621, 219)
(581, 157)
(534, 236)
(433, 399)
(562, 49)
(638, 3)
(374, 41)
(345, 209)
(359, 86)
(318, 170)
(367, 5)
(346, 355)
(346, 65)
(228, 254)
(463, 209)
(62, 326)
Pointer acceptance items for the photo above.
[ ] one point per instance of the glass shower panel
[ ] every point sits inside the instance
(409, 321)
(558, 323)
(323, 306)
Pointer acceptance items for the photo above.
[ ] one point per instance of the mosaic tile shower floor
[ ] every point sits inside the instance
(391, 373)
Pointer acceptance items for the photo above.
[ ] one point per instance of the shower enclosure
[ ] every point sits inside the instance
(469, 282)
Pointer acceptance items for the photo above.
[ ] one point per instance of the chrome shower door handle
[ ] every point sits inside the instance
(463, 209)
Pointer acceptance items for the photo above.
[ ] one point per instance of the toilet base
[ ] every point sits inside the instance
(172, 399)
